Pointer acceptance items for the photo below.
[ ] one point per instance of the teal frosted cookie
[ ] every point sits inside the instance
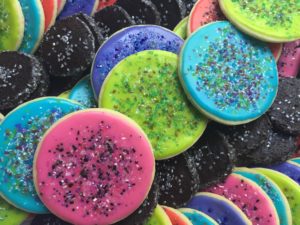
(34, 24)
(228, 76)
(11, 25)
(146, 88)
(20, 133)
(197, 218)
(10, 215)
(294, 160)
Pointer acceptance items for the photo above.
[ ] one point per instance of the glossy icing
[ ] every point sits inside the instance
(127, 42)
(20, 133)
(273, 191)
(295, 160)
(268, 20)
(218, 208)
(11, 25)
(50, 12)
(152, 96)
(34, 25)
(176, 217)
(181, 28)
(94, 167)
(78, 6)
(159, 217)
(197, 218)
(10, 215)
(290, 189)
(214, 82)
(65, 94)
(60, 5)
(292, 170)
(105, 3)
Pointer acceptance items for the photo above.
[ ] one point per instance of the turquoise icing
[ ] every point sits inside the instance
(34, 24)
(229, 76)
(20, 133)
(83, 93)
(273, 191)
(198, 218)
(296, 160)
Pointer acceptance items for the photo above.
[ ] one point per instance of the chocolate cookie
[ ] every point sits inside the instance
(62, 84)
(48, 219)
(189, 5)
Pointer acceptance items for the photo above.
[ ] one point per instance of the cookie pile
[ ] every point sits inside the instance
(147, 112)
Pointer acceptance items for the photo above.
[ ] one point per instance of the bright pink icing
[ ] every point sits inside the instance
(289, 61)
(94, 167)
(251, 199)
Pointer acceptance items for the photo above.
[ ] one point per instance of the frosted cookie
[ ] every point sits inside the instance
(127, 42)
(289, 61)
(48, 219)
(268, 20)
(10, 215)
(60, 5)
(65, 94)
(82, 92)
(159, 217)
(50, 12)
(1, 117)
(105, 3)
(292, 170)
(78, 6)
(295, 160)
(228, 96)
(12, 25)
(181, 28)
(249, 197)
(289, 188)
(20, 133)
(152, 96)
(94, 165)
(218, 208)
(197, 218)
(273, 191)
(176, 217)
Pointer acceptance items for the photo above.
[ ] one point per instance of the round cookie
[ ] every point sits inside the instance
(152, 96)
(249, 197)
(176, 217)
(218, 208)
(12, 25)
(289, 188)
(82, 92)
(60, 5)
(10, 215)
(58, 85)
(105, 3)
(237, 89)
(129, 41)
(78, 6)
(267, 20)
(65, 94)
(295, 160)
(48, 219)
(20, 133)
(102, 170)
(181, 28)
(289, 169)
(273, 191)
(50, 12)
(197, 218)
(68, 48)
(178, 180)
(159, 217)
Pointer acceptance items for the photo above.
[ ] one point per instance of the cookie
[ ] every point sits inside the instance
(218, 208)
(127, 42)
(228, 97)
(102, 170)
(273, 191)
(78, 6)
(141, 11)
(284, 113)
(60, 5)
(181, 28)
(213, 158)
(50, 12)
(1, 117)
(289, 188)
(249, 197)
(12, 25)
(112, 19)
(68, 48)
(176, 216)
(11, 215)
(292, 170)
(197, 218)
(20, 133)
(65, 94)
(105, 3)
(58, 85)
(159, 217)
(152, 96)
(295, 160)
(178, 180)
(48, 219)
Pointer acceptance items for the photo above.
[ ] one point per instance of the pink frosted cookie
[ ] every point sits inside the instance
(94, 167)
(250, 198)
(289, 61)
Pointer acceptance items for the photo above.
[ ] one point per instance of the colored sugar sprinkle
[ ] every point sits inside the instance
(3, 22)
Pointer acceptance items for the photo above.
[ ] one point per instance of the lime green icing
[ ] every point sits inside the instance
(272, 20)
(65, 94)
(11, 25)
(145, 87)
(159, 217)
(181, 28)
(10, 215)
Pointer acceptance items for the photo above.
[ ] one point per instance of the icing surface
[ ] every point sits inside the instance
(176, 217)
(181, 28)
(50, 12)
(78, 6)
(10, 215)
(289, 169)
(159, 217)
(198, 218)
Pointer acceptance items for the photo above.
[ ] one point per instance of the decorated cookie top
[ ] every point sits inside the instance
(11, 215)
(78, 6)
(269, 20)
(292, 170)
(198, 218)
(145, 87)
(181, 28)
(229, 76)
(94, 167)
(176, 216)
(20, 133)
(159, 217)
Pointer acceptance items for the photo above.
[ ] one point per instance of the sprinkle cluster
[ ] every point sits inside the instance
(3, 21)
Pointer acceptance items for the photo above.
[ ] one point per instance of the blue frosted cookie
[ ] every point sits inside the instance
(290, 169)
(78, 6)
(228, 76)
(127, 42)
(20, 133)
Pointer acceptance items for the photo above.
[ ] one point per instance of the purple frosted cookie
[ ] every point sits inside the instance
(78, 6)
(290, 169)
(127, 42)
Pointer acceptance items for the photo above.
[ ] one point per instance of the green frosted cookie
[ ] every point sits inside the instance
(159, 217)
(65, 94)
(10, 215)
(145, 87)
(11, 25)
(267, 20)
(181, 28)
